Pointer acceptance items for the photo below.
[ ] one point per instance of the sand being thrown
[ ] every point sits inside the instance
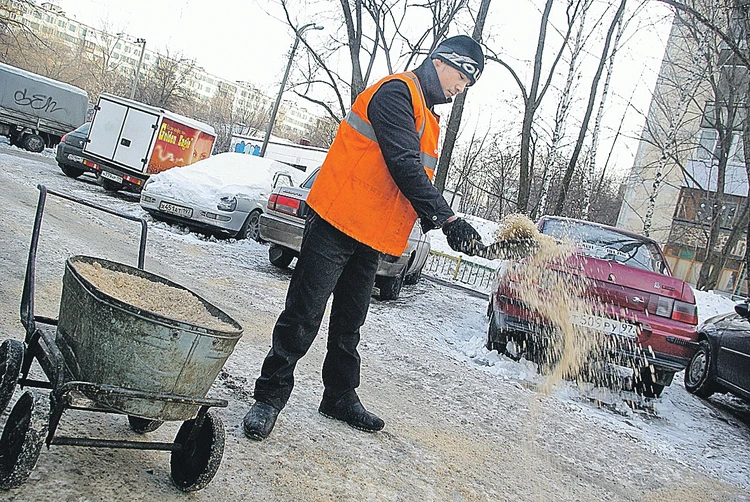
(153, 296)
(560, 299)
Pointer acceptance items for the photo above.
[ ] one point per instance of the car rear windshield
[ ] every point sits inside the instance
(609, 244)
(309, 181)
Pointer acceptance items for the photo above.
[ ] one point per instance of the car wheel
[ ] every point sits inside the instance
(251, 228)
(645, 385)
(33, 143)
(280, 256)
(70, 171)
(390, 287)
(698, 379)
(496, 338)
(413, 278)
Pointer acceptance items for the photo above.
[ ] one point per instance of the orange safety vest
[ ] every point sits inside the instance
(354, 190)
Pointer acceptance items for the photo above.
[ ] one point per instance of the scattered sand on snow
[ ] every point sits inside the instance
(560, 298)
(153, 296)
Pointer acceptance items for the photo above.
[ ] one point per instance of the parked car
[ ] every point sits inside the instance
(650, 315)
(721, 362)
(70, 157)
(284, 221)
(223, 194)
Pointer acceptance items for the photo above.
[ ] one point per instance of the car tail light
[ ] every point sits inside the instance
(272, 201)
(660, 305)
(288, 205)
(62, 140)
(673, 309)
(685, 312)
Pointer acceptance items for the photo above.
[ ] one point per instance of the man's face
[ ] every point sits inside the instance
(452, 80)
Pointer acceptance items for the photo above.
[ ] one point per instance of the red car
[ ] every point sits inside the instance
(651, 315)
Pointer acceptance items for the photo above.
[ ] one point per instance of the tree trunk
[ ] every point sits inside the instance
(530, 105)
(584, 125)
(457, 110)
(588, 194)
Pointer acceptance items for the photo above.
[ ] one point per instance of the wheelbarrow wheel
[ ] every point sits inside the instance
(143, 425)
(11, 359)
(22, 439)
(195, 462)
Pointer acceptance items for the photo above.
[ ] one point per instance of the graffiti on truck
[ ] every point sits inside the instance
(37, 101)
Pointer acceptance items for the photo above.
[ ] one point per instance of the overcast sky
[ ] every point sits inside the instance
(248, 40)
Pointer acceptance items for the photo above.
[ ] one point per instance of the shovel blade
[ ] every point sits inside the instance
(509, 249)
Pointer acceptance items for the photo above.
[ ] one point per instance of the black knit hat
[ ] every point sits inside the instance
(462, 53)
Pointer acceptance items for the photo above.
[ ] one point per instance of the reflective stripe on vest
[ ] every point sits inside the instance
(366, 130)
(354, 190)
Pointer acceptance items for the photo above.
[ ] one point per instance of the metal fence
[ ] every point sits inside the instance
(464, 271)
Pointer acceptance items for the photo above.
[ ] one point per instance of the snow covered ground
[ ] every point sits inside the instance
(463, 423)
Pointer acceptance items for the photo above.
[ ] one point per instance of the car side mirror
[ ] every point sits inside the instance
(742, 309)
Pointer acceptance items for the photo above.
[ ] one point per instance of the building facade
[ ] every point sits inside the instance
(692, 136)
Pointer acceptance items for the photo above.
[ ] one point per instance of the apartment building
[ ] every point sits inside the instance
(124, 52)
(671, 193)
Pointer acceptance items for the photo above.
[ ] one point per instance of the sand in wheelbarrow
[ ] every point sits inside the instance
(153, 296)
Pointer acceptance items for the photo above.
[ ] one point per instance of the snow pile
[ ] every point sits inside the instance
(226, 174)
(711, 303)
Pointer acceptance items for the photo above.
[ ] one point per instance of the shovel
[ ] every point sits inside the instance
(508, 249)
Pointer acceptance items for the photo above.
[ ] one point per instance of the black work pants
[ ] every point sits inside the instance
(330, 262)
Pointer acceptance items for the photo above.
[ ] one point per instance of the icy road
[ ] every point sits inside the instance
(461, 422)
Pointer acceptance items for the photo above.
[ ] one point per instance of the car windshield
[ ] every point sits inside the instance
(608, 244)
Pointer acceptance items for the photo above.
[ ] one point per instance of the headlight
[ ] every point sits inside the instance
(227, 204)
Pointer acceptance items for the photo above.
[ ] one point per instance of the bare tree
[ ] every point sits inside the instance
(534, 94)
(548, 175)
(457, 110)
(369, 32)
(165, 83)
(589, 108)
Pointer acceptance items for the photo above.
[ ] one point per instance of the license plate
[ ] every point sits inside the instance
(606, 325)
(109, 176)
(75, 158)
(176, 210)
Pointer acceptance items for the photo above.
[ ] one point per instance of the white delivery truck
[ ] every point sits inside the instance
(130, 141)
(36, 111)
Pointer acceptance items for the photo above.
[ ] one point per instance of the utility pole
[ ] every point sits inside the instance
(275, 109)
(141, 41)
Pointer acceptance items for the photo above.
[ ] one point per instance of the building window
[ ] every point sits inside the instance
(695, 206)
(706, 144)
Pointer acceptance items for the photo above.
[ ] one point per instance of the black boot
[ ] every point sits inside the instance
(259, 421)
(349, 409)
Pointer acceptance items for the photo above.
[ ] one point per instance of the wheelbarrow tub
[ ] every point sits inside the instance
(107, 341)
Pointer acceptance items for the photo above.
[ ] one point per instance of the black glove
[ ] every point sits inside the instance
(462, 237)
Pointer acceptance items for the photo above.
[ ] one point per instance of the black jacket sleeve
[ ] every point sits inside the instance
(392, 117)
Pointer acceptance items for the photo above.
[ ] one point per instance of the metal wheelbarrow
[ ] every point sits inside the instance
(105, 355)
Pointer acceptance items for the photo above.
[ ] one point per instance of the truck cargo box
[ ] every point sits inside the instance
(133, 140)
(35, 111)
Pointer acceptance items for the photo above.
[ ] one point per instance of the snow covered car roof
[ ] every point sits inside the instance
(224, 174)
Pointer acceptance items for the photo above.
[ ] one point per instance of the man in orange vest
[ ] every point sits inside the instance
(373, 185)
